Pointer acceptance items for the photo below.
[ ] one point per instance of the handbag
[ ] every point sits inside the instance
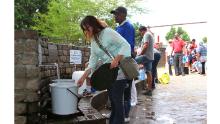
(103, 77)
(128, 65)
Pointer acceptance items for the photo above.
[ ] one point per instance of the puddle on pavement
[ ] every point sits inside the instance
(164, 94)
(164, 119)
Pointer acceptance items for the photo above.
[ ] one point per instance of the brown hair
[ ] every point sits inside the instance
(142, 28)
(94, 23)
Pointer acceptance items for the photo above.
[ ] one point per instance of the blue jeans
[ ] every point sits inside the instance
(116, 96)
(142, 59)
(127, 98)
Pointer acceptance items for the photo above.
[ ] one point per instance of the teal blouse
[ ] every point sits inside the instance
(113, 43)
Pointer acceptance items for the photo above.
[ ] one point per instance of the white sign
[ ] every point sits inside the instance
(75, 57)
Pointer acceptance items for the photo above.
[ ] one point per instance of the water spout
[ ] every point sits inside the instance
(58, 72)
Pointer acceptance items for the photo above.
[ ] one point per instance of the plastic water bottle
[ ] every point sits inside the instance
(141, 74)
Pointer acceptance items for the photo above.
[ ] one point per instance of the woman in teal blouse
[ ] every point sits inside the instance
(114, 43)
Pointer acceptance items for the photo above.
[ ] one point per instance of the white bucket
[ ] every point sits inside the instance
(63, 101)
(76, 76)
(63, 81)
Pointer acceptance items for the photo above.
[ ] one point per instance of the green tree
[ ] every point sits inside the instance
(185, 36)
(170, 34)
(204, 39)
(25, 10)
(137, 35)
(182, 33)
(63, 17)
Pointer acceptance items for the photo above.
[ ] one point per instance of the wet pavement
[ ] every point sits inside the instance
(182, 101)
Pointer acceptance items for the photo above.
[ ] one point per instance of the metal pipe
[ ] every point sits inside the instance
(176, 24)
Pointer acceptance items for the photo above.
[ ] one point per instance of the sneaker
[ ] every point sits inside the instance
(148, 93)
(133, 104)
(127, 119)
(86, 93)
(107, 115)
(156, 81)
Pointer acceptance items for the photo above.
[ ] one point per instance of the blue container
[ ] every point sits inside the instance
(141, 74)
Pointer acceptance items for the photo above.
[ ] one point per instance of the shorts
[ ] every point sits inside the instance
(145, 61)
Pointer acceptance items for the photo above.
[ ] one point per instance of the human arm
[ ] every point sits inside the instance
(117, 46)
(116, 61)
(172, 49)
(84, 76)
(146, 40)
(93, 60)
(144, 48)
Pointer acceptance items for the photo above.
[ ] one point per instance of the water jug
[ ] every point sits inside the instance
(141, 74)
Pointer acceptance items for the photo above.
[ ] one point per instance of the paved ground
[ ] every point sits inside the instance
(182, 101)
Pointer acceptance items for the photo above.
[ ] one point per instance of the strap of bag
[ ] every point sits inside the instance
(102, 47)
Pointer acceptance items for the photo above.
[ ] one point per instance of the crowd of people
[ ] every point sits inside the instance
(121, 43)
(186, 56)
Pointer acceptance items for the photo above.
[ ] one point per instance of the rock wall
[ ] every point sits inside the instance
(35, 69)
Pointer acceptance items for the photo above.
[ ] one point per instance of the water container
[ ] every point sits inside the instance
(64, 102)
(76, 76)
(171, 61)
(63, 81)
(141, 74)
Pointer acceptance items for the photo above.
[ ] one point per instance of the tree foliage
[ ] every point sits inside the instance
(138, 37)
(170, 34)
(64, 16)
(183, 34)
(25, 10)
(204, 39)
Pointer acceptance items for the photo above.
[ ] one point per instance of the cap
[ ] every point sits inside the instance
(142, 28)
(120, 9)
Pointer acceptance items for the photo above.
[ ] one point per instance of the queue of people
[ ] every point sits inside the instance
(186, 57)
(120, 43)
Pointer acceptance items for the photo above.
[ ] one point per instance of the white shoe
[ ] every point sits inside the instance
(133, 104)
(107, 115)
(127, 119)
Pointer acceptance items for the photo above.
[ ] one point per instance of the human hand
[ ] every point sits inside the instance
(114, 63)
(80, 81)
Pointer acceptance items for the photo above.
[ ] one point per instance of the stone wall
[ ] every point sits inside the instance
(35, 69)
(26, 75)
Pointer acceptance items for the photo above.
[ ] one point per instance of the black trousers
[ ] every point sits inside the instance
(203, 67)
(178, 64)
(157, 57)
(127, 98)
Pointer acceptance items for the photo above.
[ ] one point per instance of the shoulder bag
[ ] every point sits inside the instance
(128, 65)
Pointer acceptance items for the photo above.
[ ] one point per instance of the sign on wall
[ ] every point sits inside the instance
(75, 57)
